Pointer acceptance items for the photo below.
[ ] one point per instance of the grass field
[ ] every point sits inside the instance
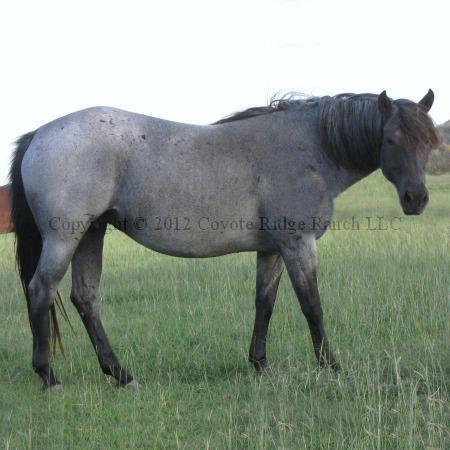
(183, 328)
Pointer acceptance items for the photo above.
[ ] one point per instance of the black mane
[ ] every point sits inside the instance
(351, 129)
(351, 125)
(283, 103)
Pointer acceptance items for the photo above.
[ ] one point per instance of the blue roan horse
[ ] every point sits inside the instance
(168, 183)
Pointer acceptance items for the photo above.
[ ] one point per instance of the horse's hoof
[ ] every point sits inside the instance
(54, 388)
(260, 365)
(133, 385)
(336, 367)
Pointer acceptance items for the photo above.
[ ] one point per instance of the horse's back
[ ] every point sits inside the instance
(88, 162)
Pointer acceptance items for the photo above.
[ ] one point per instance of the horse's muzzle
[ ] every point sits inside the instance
(414, 199)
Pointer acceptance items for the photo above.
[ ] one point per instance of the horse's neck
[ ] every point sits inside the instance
(339, 179)
(348, 166)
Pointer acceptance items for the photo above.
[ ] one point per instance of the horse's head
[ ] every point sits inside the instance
(408, 137)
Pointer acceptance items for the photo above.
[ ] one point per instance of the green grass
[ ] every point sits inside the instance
(183, 328)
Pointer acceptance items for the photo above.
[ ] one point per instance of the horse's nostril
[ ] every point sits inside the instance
(408, 197)
(425, 197)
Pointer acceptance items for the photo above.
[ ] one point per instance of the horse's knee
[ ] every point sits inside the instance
(85, 301)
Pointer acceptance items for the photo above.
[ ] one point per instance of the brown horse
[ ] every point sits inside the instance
(6, 225)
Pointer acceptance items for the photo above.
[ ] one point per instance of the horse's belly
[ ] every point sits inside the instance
(195, 237)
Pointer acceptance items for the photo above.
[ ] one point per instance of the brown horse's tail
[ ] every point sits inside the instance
(6, 225)
(28, 237)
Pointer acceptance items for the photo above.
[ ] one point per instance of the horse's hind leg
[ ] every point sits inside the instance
(53, 262)
(86, 273)
(269, 268)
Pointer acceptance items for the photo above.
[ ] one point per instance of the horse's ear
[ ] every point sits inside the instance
(385, 104)
(427, 102)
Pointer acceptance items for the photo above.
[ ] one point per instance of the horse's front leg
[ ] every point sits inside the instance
(299, 256)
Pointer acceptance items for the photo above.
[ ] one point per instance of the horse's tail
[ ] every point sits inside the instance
(6, 225)
(28, 237)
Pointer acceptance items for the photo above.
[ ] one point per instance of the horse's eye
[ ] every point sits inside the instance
(389, 141)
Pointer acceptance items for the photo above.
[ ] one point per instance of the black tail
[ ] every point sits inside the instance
(28, 237)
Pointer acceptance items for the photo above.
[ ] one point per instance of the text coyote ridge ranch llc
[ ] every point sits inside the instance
(279, 223)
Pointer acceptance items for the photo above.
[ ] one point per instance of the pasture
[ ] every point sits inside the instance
(183, 327)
